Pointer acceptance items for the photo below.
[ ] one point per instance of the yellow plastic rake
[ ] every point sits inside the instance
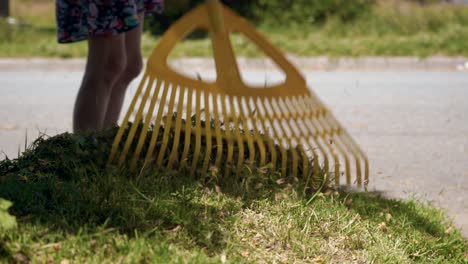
(176, 121)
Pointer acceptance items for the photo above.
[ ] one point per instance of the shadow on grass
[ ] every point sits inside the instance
(108, 200)
(163, 201)
(374, 206)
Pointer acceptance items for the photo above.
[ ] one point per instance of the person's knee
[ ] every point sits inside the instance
(132, 69)
(114, 68)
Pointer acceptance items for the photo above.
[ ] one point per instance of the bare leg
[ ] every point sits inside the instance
(131, 71)
(106, 61)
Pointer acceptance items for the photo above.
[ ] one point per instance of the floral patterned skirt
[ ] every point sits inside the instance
(78, 19)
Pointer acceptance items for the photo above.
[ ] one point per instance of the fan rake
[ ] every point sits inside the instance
(178, 121)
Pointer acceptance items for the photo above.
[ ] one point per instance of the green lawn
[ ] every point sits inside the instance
(389, 30)
(70, 207)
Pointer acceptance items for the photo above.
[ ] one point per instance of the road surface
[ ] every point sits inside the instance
(413, 125)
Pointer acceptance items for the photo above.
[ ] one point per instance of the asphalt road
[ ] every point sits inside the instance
(413, 125)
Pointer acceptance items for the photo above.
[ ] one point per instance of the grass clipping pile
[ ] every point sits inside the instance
(73, 155)
(226, 168)
(65, 155)
(69, 174)
(71, 207)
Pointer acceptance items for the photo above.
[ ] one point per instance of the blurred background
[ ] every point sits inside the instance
(306, 28)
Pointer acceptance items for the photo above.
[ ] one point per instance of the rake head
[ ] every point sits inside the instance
(177, 121)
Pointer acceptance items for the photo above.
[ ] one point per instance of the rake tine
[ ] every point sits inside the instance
(229, 137)
(198, 132)
(327, 135)
(309, 121)
(301, 143)
(313, 121)
(157, 123)
(284, 157)
(294, 127)
(217, 126)
(305, 160)
(177, 129)
(356, 157)
(311, 116)
(337, 138)
(120, 132)
(315, 98)
(167, 125)
(283, 115)
(291, 113)
(363, 156)
(337, 141)
(316, 157)
(243, 118)
(328, 120)
(295, 165)
(208, 129)
(144, 131)
(240, 143)
(256, 134)
(326, 162)
(135, 125)
(310, 136)
(188, 127)
(329, 132)
(356, 151)
(270, 142)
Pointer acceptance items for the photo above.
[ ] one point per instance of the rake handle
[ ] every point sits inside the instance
(226, 64)
(216, 16)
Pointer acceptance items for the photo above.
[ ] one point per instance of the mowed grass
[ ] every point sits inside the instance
(71, 207)
(392, 28)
